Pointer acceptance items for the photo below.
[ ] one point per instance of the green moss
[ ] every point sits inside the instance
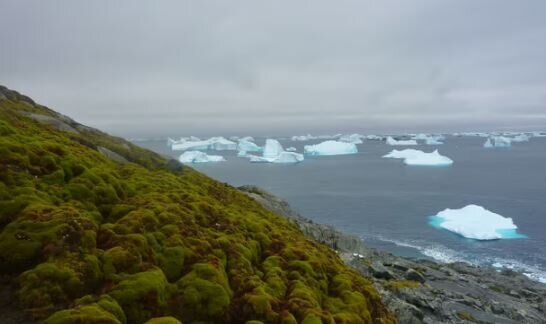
(157, 239)
(142, 294)
(171, 261)
(92, 314)
(205, 292)
(163, 320)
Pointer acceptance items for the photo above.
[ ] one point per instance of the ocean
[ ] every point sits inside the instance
(389, 204)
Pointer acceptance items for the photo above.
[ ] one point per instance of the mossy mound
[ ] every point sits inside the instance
(91, 239)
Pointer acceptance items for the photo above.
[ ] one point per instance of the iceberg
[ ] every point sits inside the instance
(476, 222)
(353, 138)
(184, 145)
(248, 146)
(222, 144)
(291, 149)
(274, 153)
(283, 157)
(199, 157)
(214, 143)
(520, 138)
(433, 141)
(497, 141)
(310, 137)
(392, 141)
(416, 157)
(375, 137)
(330, 148)
(272, 148)
(247, 138)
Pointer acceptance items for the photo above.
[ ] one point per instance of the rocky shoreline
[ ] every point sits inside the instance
(424, 291)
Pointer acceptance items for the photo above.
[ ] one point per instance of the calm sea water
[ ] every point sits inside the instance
(388, 204)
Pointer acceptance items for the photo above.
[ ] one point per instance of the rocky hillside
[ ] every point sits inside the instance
(96, 230)
(423, 291)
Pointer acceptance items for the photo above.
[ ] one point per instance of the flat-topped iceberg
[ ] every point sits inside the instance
(283, 157)
(417, 157)
(199, 157)
(497, 141)
(214, 143)
(476, 222)
(330, 148)
(309, 137)
(392, 141)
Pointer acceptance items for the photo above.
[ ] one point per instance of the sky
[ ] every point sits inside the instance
(202, 67)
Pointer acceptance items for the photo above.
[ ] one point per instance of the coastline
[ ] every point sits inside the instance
(426, 291)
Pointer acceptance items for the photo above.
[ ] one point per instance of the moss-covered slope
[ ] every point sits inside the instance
(96, 230)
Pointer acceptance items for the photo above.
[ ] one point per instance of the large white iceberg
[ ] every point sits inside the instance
(214, 143)
(330, 148)
(199, 157)
(497, 141)
(392, 141)
(476, 222)
(416, 157)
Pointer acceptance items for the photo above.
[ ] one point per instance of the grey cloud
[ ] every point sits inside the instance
(139, 68)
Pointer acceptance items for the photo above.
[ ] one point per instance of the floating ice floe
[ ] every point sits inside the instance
(330, 148)
(433, 141)
(392, 141)
(476, 222)
(429, 139)
(417, 157)
(214, 143)
(273, 152)
(497, 141)
(375, 137)
(309, 137)
(291, 149)
(353, 138)
(520, 138)
(199, 157)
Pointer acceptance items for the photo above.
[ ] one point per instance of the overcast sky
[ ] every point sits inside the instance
(149, 68)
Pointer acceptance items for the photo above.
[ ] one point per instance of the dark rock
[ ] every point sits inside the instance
(400, 266)
(414, 275)
(379, 271)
